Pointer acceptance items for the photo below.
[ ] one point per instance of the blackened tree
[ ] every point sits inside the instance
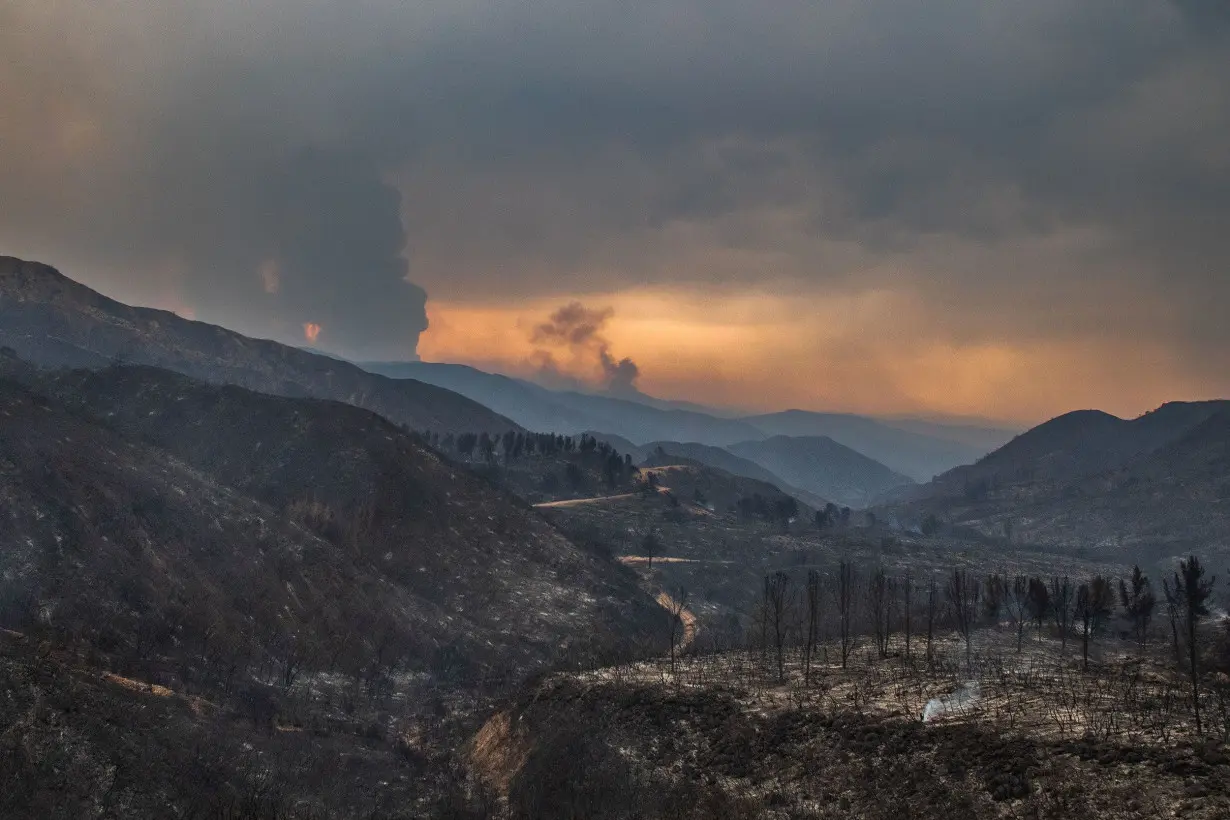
(1191, 594)
(1093, 605)
(1136, 597)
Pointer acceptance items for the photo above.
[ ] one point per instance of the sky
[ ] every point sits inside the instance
(997, 209)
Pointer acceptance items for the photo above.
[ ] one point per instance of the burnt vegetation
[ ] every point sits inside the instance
(222, 603)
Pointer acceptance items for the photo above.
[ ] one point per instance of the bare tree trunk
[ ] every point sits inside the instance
(777, 590)
(932, 594)
(908, 591)
(813, 606)
(962, 594)
(845, 605)
(1193, 655)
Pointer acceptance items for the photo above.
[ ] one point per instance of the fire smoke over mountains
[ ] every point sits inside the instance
(1009, 209)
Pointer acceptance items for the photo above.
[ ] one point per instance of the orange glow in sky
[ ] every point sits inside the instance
(763, 352)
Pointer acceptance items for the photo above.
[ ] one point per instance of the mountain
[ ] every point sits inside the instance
(722, 491)
(1138, 489)
(53, 321)
(716, 457)
(571, 412)
(215, 602)
(820, 465)
(1077, 444)
(915, 448)
(983, 436)
(533, 407)
(921, 453)
(372, 527)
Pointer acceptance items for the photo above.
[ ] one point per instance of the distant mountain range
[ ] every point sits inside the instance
(916, 449)
(52, 321)
(822, 466)
(657, 453)
(1154, 485)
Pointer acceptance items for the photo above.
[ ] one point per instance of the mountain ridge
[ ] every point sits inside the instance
(54, 321)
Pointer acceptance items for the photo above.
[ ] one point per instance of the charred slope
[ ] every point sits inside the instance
(1171, 499)
(820, 465)
(220, 603)
(718, 752)
(53, 321)
(659, 453)
(721, 490)
(308, 534)
(1077, 445)
(495, 585)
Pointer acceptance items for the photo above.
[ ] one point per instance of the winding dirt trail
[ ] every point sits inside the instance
(685, 615)
(576, 502)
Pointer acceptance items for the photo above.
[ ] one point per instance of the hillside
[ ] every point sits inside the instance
(1154, 486)
(570, 412)
(1078, 444)
(52, 321)
(718, 735)
(820, 465)
(919, 450)
(716, 489)
(920, 453)
(532, 407)
(717, 457)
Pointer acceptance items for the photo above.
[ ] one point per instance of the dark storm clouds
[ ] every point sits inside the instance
(1030, 170)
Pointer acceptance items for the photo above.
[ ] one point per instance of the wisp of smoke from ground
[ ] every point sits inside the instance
(959, 701)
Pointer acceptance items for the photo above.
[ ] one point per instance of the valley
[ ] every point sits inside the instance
(248, 581)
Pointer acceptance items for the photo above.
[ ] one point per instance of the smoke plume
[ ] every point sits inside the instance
(576, 331)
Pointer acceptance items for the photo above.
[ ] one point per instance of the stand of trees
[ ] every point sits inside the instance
(587, 459)
(802, 616)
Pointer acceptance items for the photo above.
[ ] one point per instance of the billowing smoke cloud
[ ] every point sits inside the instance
(213, 174)
(619, 376)
(577, 331)
(1016, 172)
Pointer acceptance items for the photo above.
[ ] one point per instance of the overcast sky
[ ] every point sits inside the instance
(1003, 209)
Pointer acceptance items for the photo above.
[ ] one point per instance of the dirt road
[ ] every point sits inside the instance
(576, 502)
(685, 615)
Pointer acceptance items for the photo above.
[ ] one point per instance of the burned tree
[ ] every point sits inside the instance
(1061, 607)
(778, 610)
(1138, 602)
(932, 602)
(1017, 602)
(813, 622)
(1191, 595)
(877, 602)
(962, 594)
(1093, 604)
(993, 598)
(651, 547)
(845, 609)
(907, 589)
(1039, 602)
